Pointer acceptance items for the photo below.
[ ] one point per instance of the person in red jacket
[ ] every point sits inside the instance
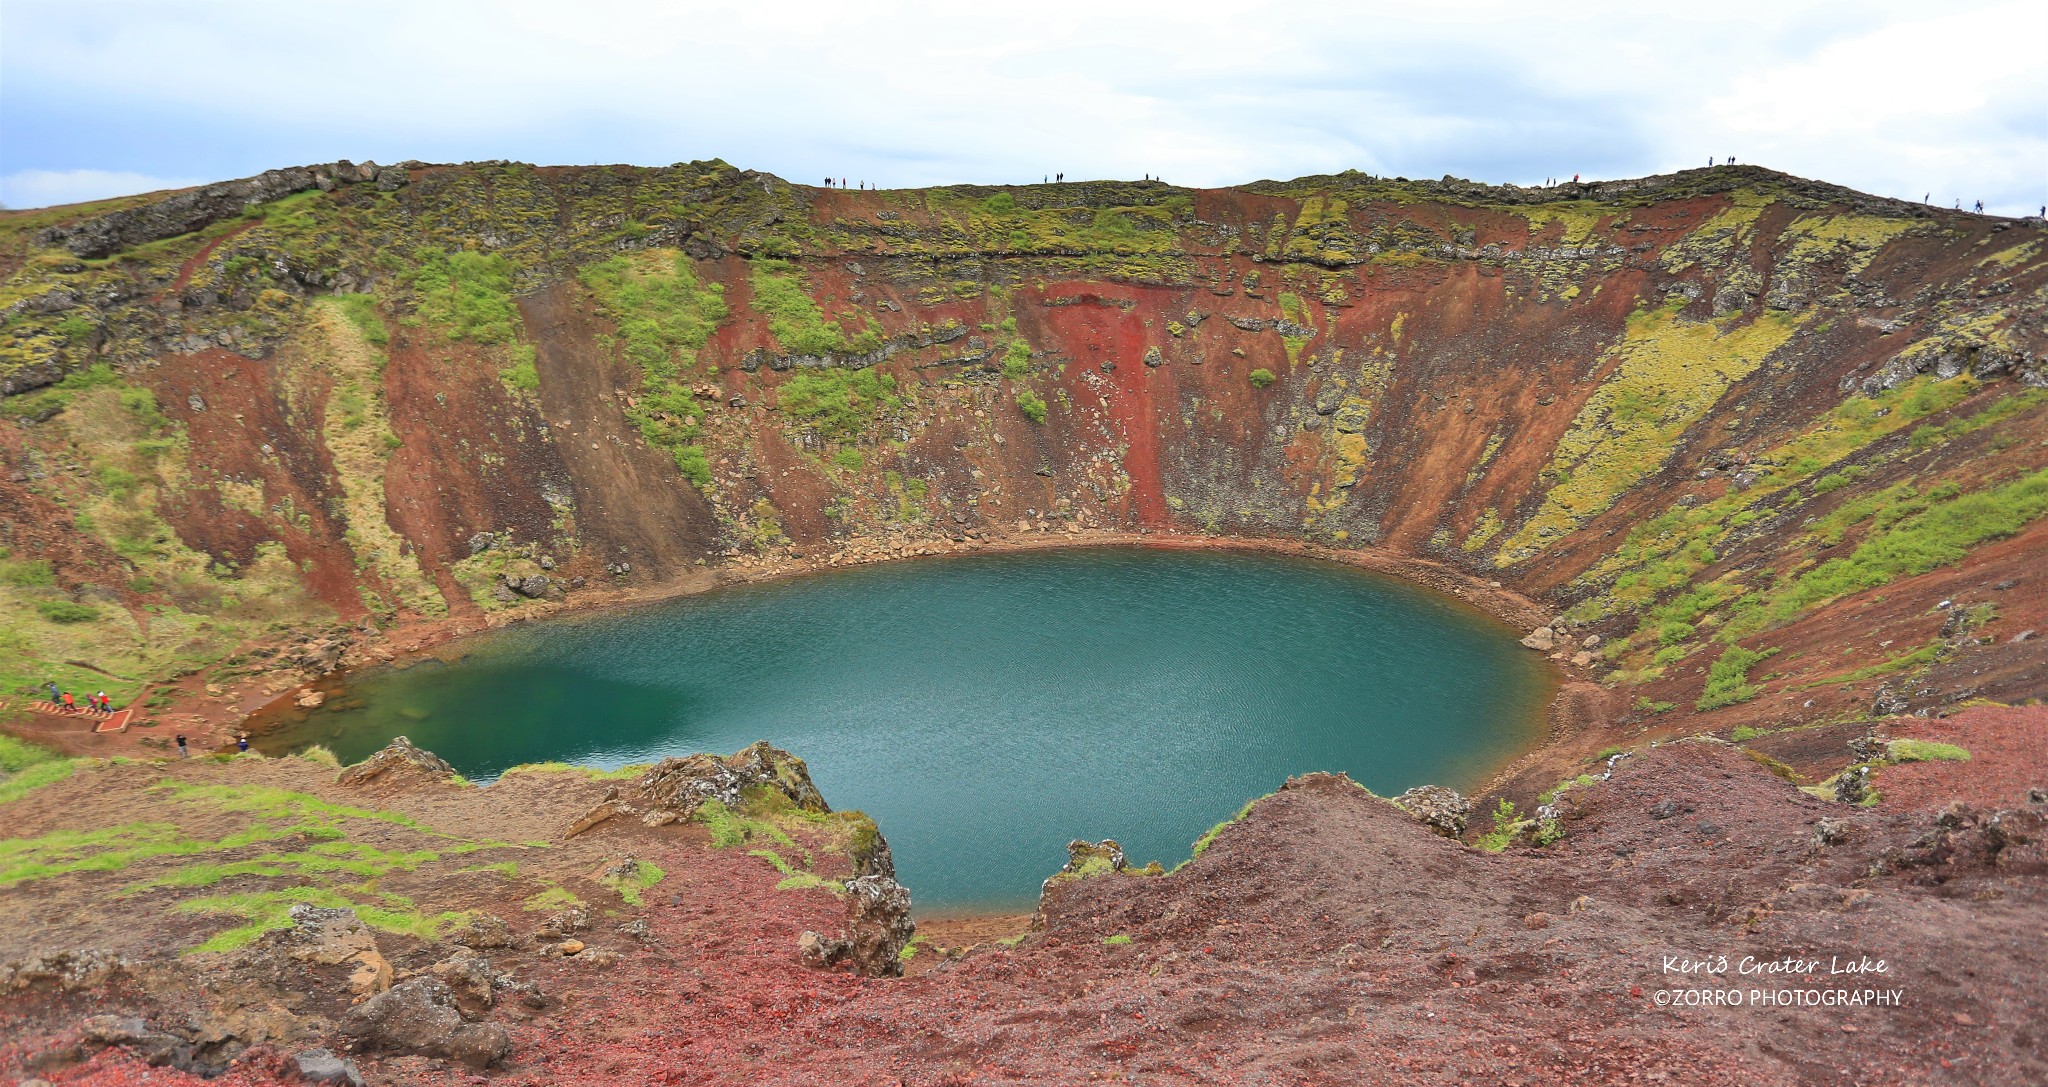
(70, 704)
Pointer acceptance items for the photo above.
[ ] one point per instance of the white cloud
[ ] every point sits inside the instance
(43, 188)
(1868, 93)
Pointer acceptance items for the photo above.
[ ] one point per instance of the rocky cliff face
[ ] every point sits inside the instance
(1711, 420)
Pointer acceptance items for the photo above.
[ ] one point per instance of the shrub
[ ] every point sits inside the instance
(1728, 678)
(64, 611)
(1017, 359)
(1925, 751)
(1262, 377)
(838, 402)
(849, 459)
(30, 574)
(1032, 405)
(522, 374)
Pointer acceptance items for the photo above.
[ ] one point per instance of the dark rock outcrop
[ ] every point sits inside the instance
(322, 1066)
(878, 928)
(84, 968)
(399, 753)
(1440, 809)
(421, 1016)
(675, 788)
(193, 209)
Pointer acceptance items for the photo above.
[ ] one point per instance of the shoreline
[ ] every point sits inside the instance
(214, 714)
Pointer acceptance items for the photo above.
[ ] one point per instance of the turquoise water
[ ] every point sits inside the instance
(987, 709)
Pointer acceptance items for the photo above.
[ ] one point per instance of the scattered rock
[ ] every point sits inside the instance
(469, 976)
(133, 1034)
(532, 586)
(570, 947)
(322, 1066)
(1830, 832)
(572, 920)
(819, 951)
(1853, 786)
(421, 1016)
(309, 698)
(484, 931)
(1441, 810)
(1542, 640)
(1536, 921)
(636, 928)
(84, 968)
(1582, 659)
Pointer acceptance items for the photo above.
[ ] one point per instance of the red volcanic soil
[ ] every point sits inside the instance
(1330, 938)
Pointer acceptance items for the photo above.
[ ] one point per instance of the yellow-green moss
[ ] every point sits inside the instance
(1665, 375)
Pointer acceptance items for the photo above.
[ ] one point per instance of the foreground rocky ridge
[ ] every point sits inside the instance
(1702, 421)
(1324, 935)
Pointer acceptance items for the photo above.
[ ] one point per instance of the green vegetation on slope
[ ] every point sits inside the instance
(1667, 373)
(793, 316)
(665, 315)
(839, 403)
(466, 294)
(321, 863)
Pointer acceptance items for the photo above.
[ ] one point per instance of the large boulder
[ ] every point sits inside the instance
(334, 937)
(878, 928)
(421, 1016)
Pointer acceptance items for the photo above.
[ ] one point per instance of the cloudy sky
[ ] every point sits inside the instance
(101, 97)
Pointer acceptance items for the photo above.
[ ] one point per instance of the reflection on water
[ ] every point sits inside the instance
(986, 710)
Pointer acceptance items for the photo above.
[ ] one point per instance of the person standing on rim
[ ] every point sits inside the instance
(183, 751)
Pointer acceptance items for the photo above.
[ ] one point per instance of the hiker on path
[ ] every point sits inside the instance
(56, 695)
(183, 753)
(70, 704)
(99, 704)
(1575, 179)
(242, 742)
(1980, 207)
